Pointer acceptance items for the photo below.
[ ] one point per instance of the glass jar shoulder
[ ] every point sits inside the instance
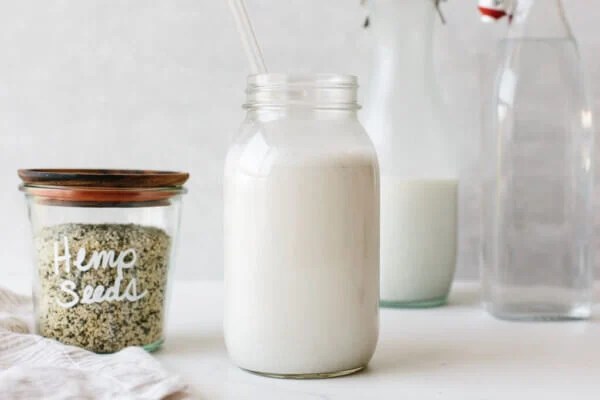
(541, 86)
(539, 63)
(261, 146)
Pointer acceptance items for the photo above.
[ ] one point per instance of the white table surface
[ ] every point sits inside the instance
(452, 352)
(457, 352)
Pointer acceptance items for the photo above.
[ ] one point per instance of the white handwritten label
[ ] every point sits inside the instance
(66, 257)
(98, 259)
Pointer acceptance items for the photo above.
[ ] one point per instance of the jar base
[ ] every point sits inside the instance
(152, 347)
(428, 303)
(320, 375)
(539, 312)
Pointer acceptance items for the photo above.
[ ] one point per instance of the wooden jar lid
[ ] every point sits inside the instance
(102, 187)
(130, 178)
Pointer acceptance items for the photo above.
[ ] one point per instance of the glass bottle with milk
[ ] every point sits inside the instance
(301, 230)
(538, 252)
(417, 155)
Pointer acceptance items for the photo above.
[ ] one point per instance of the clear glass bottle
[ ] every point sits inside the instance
(103, 249)
(301, 230)
(417, 154)
(537, 255)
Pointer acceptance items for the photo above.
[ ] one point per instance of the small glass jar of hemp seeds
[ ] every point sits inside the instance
(103, 243)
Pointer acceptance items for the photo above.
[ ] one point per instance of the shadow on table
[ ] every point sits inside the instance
(414, 357)
(193, 344)
(418, 357)
(469, 296)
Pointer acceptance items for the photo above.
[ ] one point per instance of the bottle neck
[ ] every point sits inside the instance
(403, 68)
(539, 19)
(403, 34)
(404, 95)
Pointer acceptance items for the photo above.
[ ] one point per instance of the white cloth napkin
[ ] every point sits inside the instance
(32, 367)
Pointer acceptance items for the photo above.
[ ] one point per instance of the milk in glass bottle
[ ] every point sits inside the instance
(417, 155)
(301, 230)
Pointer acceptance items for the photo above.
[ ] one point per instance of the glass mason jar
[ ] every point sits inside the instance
(103, 246)
(537, 256)
(418, 156)
(301, 230)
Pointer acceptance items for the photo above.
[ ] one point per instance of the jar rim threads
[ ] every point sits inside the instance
(315, 91)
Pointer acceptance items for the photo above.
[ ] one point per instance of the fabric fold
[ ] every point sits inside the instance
(33, 367)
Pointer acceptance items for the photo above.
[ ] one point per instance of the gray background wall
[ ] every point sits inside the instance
(158, 84)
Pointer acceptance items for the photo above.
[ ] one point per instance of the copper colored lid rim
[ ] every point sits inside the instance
(102, 185)
(101, 195)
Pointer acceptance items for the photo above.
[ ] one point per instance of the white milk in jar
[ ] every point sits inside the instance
(418, 239)
(301, 232)
(417, 149)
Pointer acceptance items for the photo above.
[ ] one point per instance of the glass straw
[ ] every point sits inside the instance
(251, 47)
